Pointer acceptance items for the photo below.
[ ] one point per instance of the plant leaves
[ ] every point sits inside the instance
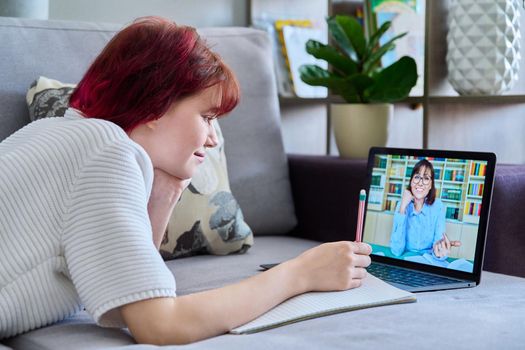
(317, 76)
(374, 39)
(376, 56)
(360, 82)
(340, 38)
(354, 32)
(394, 82)
(328, 53)
(314, 75)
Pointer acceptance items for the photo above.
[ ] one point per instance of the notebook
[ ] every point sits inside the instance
(456, 189)
(373, 292)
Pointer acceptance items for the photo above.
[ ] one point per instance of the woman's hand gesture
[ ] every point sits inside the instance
(405, 200)
(442, 247)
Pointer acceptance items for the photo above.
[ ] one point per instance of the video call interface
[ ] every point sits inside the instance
(425, 209)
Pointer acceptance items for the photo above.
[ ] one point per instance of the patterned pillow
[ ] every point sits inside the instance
(207, 218)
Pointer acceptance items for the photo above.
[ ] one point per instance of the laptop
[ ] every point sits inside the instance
(407, 248)
(426, 216)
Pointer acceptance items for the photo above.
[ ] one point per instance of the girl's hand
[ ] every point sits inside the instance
(165, 193)
(405, 200)
(333, 266)
(166, 188)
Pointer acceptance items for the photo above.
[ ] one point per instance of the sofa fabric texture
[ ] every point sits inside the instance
(257, 164)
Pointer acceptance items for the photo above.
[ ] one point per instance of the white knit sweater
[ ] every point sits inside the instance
(74, 226)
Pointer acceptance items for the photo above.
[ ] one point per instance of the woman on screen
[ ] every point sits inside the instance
(419, 219)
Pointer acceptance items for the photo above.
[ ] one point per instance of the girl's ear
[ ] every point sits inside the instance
(152, 124)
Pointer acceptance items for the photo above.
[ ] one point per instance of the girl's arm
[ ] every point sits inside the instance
(185, 319)
(189, 318)
(398, 235)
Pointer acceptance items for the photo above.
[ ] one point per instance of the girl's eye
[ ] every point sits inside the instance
(208, 118)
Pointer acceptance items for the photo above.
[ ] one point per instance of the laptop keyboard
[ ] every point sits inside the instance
(410, 278)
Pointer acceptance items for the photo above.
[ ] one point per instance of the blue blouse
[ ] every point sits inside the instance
(418, 231)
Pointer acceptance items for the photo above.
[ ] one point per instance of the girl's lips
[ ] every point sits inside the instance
(200, 156)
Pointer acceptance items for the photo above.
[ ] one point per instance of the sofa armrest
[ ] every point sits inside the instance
(326, 193)
(506, 229)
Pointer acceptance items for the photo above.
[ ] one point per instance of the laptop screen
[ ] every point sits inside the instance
(426, 209)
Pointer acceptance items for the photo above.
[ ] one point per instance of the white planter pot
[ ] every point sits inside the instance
(358, 127)
(483, 45)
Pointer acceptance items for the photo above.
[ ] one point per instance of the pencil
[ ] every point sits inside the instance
(360, 216)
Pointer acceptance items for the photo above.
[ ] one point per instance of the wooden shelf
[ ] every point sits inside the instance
(335, 99)
(478, 99)
(436, 95)
(294, 101)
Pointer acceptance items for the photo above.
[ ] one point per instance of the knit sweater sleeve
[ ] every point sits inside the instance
(107, 240)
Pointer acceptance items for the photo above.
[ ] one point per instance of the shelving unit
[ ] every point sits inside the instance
(444, 119)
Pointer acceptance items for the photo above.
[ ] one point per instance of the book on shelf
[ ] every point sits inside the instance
(456, 160)
(452, 213)
(406, 16)
(451, 194)
(430, 159)
(375, 196)
(391, 204)
(284, 83)
(295, 39)
(475, 189)
(478, 169)
(378, 180)
(398, 156)
(285, 70)
(397, 171)
(454, 175)
(472, 208)
(395, 189)
(380, 162)
(437, 173)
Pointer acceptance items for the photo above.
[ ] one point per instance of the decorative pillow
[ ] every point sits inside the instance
(207, 218)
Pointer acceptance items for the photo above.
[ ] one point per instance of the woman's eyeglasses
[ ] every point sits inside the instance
(418, 178)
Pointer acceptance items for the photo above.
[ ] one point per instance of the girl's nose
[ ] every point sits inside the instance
(212, 140)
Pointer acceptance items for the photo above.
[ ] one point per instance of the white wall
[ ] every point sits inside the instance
(197, 13)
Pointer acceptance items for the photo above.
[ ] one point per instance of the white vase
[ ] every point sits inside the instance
(357, 127)
(483, 42)
(38, 9)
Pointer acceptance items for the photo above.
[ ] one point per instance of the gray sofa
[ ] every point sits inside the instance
(291, 202)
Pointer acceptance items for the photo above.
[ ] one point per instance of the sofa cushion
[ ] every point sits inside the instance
(488, 316)
(207, 218)
(257, 164)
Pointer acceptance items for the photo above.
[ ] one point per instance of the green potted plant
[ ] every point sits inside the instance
(357, 76)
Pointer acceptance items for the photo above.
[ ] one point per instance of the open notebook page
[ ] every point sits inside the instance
(373, 292)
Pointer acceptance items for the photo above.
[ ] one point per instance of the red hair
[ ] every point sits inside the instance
(145, 68)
